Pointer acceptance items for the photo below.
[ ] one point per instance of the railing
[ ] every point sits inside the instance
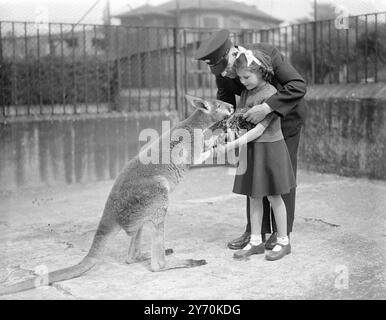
(332, 51)
(66, 68)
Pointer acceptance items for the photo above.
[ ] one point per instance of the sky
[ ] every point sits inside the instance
(71, 11)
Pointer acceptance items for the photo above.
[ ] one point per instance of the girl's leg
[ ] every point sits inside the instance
(256, 217)
(280, 213)
(255, 245)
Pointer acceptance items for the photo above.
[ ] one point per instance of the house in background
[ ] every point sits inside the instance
(200, 14)
(153, 52)
(93, 40)
(20, 42)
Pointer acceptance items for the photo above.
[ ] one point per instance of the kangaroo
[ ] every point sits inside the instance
(140, 194)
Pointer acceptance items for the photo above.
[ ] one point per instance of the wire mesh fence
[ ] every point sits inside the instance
(59, 68)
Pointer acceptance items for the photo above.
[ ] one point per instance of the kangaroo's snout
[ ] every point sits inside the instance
(225, 107)
(211, 106)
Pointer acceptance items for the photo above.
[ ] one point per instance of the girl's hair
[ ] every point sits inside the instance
(265, 69)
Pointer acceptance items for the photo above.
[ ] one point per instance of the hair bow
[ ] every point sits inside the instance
(248, 55)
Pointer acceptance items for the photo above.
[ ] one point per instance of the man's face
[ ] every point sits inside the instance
(231, 57)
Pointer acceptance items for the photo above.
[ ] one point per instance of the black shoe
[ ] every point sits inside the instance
(271, 242)
(240, 242)
(242, 254)
(276, 255)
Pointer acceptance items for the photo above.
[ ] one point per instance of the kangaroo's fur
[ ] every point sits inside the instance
(140, 194)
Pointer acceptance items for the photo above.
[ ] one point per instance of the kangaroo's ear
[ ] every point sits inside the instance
(198, 103)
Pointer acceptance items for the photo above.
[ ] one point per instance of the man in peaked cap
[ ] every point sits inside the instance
(288, 103)
(215, 51)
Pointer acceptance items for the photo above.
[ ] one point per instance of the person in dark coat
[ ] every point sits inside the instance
(288, 103)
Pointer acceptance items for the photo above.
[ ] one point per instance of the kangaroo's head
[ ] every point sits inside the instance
(212, 110)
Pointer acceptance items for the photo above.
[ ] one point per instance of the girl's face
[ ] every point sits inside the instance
(249, 79)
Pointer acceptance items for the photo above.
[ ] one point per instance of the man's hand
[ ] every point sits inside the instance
(257, 113)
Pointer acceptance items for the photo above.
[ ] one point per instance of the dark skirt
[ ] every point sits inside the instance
(264, 169)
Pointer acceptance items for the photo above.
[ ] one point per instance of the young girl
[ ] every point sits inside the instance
(264, 163)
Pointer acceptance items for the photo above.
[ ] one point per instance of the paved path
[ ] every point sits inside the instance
(339, 242)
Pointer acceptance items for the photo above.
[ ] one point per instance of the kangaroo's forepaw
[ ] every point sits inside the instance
(145, 256)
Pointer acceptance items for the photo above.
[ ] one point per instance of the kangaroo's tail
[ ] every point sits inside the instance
(107, 229)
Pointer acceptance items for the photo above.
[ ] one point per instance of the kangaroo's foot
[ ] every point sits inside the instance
(177, 264)
(158, 261)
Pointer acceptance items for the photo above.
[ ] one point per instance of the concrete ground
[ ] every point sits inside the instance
(339, 242)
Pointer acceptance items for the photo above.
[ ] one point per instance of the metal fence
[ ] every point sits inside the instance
(67, 68)
(334, 51)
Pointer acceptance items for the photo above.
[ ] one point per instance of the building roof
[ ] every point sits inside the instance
(168, 9)
(144, 10)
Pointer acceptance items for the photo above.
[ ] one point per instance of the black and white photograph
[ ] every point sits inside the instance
(210, 151)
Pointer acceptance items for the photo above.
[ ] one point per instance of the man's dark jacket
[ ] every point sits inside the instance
(288, 102)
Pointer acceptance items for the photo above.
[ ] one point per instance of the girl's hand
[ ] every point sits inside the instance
(209, 143)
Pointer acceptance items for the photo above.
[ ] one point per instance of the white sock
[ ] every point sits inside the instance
(255, 240)
(282, 240)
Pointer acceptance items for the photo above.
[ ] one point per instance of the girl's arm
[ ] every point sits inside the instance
(250, 135)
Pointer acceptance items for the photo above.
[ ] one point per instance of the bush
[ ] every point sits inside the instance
(335, 53)
(52, 80)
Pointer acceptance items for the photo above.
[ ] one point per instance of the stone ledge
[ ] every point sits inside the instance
(351, 91)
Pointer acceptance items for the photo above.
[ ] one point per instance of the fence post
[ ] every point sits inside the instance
(177, 73)
(243, 37)
(2, 73)
(185, 75)
(313, 61)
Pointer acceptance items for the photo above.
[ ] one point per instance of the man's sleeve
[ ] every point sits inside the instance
(293, 86)
(227, 89)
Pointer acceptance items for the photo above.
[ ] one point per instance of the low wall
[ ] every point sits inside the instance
(68, 149)
(344, 133)
(345, 130)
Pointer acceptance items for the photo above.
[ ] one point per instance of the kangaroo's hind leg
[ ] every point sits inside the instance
(158, 261)
(134, 254)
